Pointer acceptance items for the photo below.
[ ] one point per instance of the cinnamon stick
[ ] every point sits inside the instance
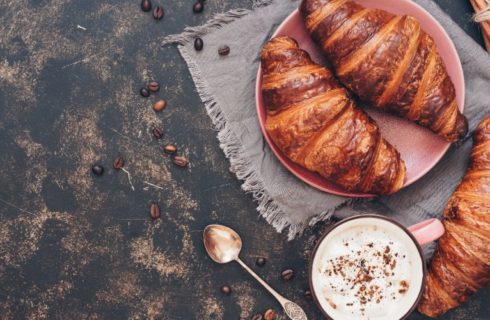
(480, 6)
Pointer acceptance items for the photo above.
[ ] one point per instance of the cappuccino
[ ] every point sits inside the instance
(367, 268)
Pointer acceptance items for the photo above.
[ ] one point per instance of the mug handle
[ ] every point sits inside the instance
(427, 231)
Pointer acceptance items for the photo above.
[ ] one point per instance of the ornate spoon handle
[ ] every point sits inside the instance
(293, 311)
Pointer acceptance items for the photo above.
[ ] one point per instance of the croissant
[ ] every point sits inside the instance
(315, 123)
(461, 263)
(388, 61)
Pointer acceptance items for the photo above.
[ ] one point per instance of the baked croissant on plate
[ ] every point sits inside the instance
(461, 263)
(315, 123)
(388, 61)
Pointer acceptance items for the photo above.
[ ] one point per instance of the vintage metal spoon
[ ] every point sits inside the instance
(224, 244)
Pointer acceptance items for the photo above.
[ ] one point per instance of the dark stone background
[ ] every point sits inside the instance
(75, 246)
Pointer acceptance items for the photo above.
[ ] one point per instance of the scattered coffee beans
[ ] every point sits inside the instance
(258, 316)
(97, 169)
(146, 5)
(226, 290)
(144, 92)
(224, 50)
(198, 44)
(154, 211)
(158, 13)
(153, 86)
(308, 294)
(198, 7)
(270, 314)
(157, 133)
(260, 261)
(287, 274)
(180, 161)
(118, 163)
(170, 149)
(159, 105)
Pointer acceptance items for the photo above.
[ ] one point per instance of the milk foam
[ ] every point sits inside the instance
(367, 268)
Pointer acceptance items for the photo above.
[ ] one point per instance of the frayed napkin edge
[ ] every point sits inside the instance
(239, 164)
(190, 33)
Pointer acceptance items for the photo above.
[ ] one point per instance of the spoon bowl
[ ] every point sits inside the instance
(222, 244)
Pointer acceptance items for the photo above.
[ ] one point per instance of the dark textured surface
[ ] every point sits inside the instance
(75, 246)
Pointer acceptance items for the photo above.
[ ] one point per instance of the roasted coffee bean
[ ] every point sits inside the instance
(225, 290)
(270, 314)
(159, 105)
(198, 7)
(158, 13)
(224, 50)
(154, 210)
(144, 92)
(170, 148)
(260, 261)
(258, 316)
(157, 133)
(287, 274)
(198, 44)
(308, 294)
(118, 163)
(153, 86)
(181, 161)
(97, 169)
(146, 5)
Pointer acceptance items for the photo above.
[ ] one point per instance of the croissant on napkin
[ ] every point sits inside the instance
(388, 61)
(316, 124)
(461, 263)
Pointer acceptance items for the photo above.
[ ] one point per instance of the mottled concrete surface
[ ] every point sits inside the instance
(75, 246)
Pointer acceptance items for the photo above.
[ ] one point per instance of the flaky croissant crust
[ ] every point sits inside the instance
(315, 123)
(388, 61)
(461, 263)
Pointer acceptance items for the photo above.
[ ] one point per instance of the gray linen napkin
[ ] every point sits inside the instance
(227, 88)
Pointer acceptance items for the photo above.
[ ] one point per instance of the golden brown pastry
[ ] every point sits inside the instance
(388, 61)
(461, 263)
(311, 118)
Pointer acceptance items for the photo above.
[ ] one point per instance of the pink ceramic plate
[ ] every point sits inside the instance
(419, 148)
